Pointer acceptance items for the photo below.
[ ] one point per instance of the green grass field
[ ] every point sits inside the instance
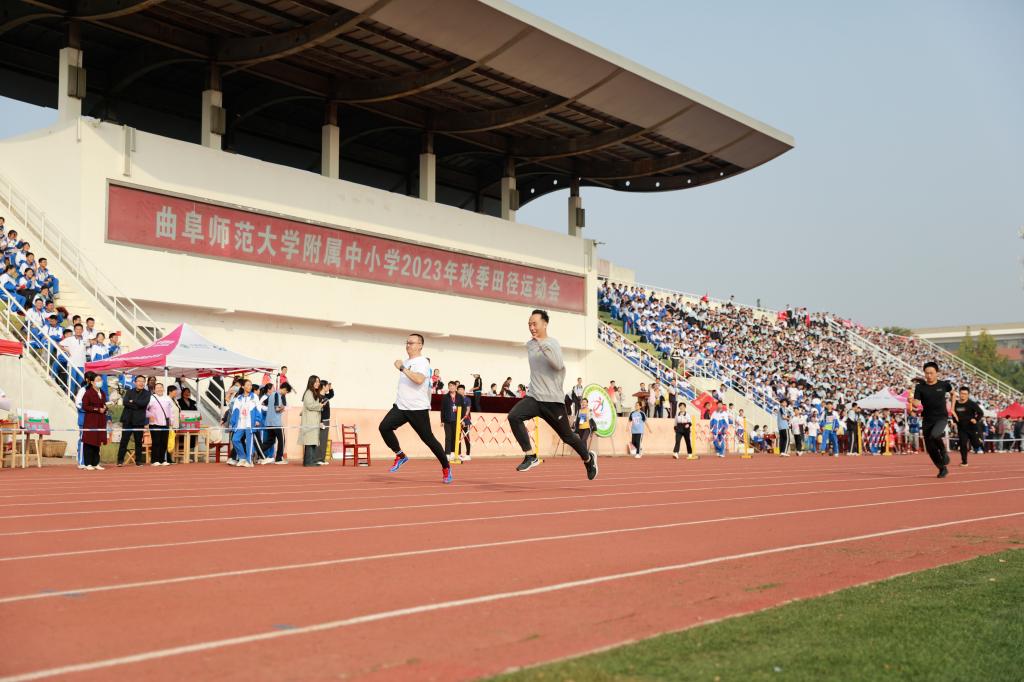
(963, 622)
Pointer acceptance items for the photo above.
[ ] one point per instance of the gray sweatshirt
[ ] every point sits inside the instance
(547, 371)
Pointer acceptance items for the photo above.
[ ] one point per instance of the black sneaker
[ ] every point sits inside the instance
(943, 472)
(591, 465)
(529, 461)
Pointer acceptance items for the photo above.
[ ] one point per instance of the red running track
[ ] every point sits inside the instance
(274, 573)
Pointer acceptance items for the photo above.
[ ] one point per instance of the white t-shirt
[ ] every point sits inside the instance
(413, 396)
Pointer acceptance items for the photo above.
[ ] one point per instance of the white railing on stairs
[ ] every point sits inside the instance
(869, 346)
(41, 351)
(65, 257)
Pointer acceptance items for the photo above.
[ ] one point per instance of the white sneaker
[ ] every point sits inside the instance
(281, 461)
(722, 455)
(154, 464)
(637, 456)
(99, 467)
(467, 458)
(82, 466)
(784, 454)
(232, 462)
(87, 467)
(245, 464)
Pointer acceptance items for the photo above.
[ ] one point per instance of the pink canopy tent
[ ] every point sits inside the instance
(885, 399)
(182, 353)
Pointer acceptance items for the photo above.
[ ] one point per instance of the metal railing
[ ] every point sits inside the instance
(692, 296)
(858, 341)
(46, 358)
(644, 360)
(60, 249)
(65, 257)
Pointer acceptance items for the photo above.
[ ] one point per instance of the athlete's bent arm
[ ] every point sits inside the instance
(553, 357)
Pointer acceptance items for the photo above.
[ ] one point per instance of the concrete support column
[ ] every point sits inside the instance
(509, 194)
(330, 144)
(575, 209)
(69, 96)
(213, 101)
(213, 118)
(428, 169)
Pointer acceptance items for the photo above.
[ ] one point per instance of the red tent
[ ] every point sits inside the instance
(1014, 411)
(10, 347)
(15, 349)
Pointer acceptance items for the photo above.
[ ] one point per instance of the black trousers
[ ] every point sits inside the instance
(466, 447)
(274, 435)
(798, 442)
(449, 437)
(158, 452)
(90, 455)
(969, 439)
(553, 415)
(853, 438)
(122, 449)
(683, 436)
(636, 439)
(783, 440)
(585, 437)
(419, 420)
(933, 432)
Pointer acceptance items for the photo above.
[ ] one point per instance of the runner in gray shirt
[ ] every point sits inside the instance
(545, 397)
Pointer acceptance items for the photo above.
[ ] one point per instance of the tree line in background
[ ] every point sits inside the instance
(980, 351)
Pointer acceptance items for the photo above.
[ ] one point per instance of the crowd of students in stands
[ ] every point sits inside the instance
(794, 354)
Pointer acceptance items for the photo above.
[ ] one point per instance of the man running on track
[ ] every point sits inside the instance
(968, 416)
(545, 397)
(933, 395)
(412, 406)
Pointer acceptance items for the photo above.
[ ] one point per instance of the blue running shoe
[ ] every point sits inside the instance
(446, 475)
(399, 461)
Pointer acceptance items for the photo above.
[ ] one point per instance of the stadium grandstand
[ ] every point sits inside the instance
(262, 190)
(300, 181)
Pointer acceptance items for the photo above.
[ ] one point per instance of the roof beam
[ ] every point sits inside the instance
(492, 119)
(266, 48)
(13, 16)
(550, 149)
(95, 10)
(621, 170)
(383, 89)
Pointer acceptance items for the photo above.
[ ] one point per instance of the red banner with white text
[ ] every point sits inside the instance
(146, 218)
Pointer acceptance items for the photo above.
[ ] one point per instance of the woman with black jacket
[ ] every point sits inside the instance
(326, 393)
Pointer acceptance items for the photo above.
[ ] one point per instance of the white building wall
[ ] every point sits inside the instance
(296, 318)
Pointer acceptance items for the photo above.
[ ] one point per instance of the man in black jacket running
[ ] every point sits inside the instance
(968, 416)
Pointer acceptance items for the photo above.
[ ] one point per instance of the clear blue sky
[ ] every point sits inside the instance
(902, 201)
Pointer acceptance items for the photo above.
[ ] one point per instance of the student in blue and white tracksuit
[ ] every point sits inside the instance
(245, 420)
(720, 421)
(830, 431)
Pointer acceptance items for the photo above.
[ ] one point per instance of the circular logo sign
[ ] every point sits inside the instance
(602, 409)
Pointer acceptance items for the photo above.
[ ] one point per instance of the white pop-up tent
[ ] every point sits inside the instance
(182, 353)
(882, 400)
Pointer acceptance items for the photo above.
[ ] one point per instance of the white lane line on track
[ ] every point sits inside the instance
(356, 487)
(91, 481)
(88, 486)
(447, 492)
(483, 545)
(402, 484)
(251, 517)
(414, 524)
(157, 654)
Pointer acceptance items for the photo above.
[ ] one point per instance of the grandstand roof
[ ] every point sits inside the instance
(489, 80)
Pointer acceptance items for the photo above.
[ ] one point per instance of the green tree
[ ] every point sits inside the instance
(898, 331)
(982, 352)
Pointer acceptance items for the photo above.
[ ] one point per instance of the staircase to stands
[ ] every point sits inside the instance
(84, 289)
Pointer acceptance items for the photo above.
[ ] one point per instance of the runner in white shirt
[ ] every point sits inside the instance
(412, 406)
